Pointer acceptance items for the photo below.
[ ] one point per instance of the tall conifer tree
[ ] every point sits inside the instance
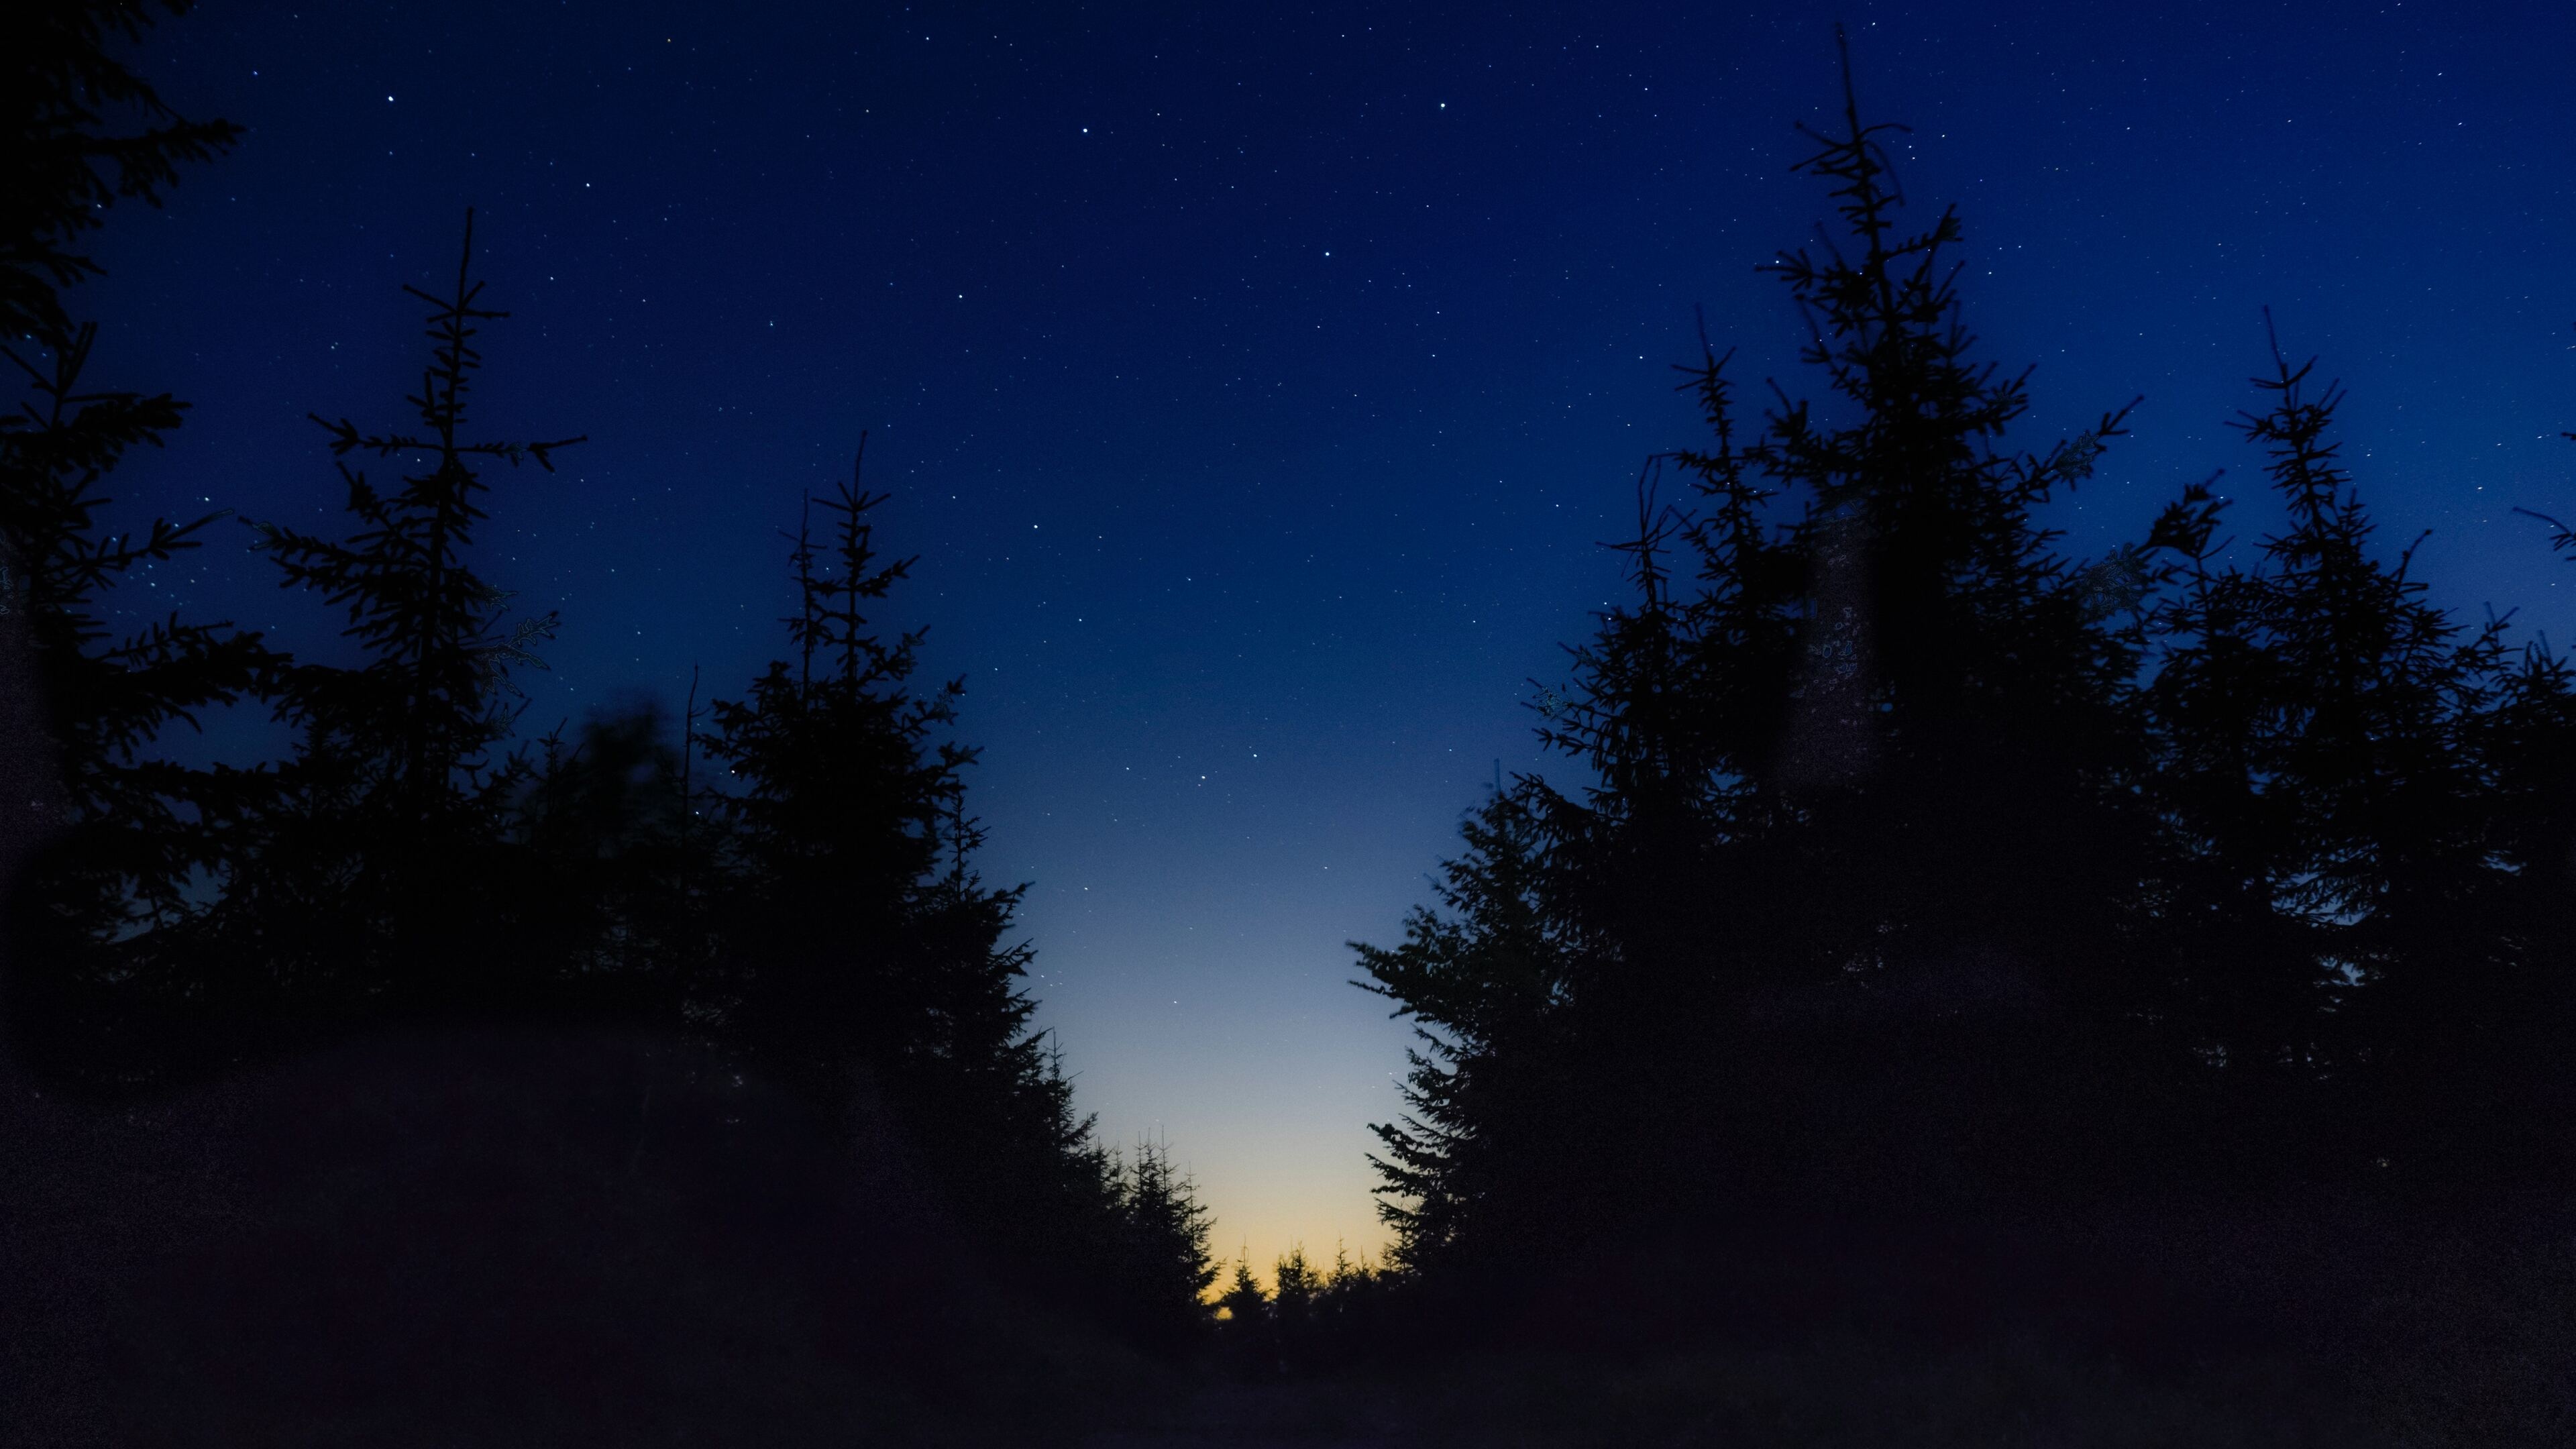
(380, 878)
(131, 830)
(1485, 977)
(2347, 778)
(858, 954)
(1847, 907)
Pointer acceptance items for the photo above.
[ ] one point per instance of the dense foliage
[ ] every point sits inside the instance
(790, 882)
(123, 829)
(1920, 868)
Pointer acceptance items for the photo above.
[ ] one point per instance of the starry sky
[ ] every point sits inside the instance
(1256, 384)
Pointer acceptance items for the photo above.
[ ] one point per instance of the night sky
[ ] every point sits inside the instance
(1255, 385)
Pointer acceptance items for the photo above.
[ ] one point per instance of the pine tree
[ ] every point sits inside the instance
(1250, 1338)
(133, 832)
(1168, 1270)
(1983, 686)
(857, 954)
(132, 829)
(1485, 978)
(2515, 1097)
(848, 846)
(109, 697)
(380, 878)
(64, 166)
(1847, 906)
(1350, 1310)
(2340, 762)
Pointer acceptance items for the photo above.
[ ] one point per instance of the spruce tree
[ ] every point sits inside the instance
(2353, 788)
(2515, 1096)
(857, 954)
(1167, 1270)
(131, 831)
(849, 848)
(380, 877)
(1485, 979)
(66, 161)
(1974, 661)
(1845, 910)
(1250, 1338)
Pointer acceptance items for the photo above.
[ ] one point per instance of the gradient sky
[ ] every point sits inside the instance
(1255, 384)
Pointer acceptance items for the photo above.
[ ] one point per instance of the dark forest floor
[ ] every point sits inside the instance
(2381, 1333)
(1857, 1395)
(1851, 1394)
(470, 1243)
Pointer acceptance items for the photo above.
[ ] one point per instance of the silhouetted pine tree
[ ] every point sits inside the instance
(381, 876)
(1352, 1320)
(1961, 679)
(1847, 909)
(1250, 1338)
(2348, 779)
(2527, 742)
(1485, 978)
(2517, 1096)
(64, 164)
(84, 997)
(1164, 1280)
(1295, 1287)
(857, 953)
(137, 825)
(2238, 983)
(855, 932)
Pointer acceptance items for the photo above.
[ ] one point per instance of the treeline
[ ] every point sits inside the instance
(789, 876)
(1922, 872)
(1314, 1319)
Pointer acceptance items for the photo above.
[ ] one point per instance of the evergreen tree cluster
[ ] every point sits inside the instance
(1918, 867)
(1314, 1319)
(788, 877)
